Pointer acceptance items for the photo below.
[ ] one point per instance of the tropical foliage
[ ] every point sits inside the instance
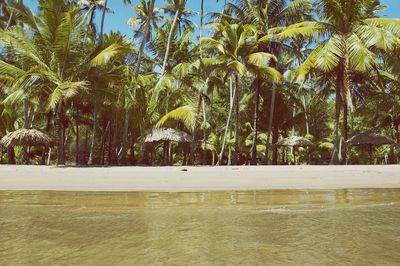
(235, 84)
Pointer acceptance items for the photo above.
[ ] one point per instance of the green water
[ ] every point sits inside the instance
(342, 227)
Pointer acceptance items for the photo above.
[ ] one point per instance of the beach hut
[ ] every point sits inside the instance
(27, 137)
(167, 135)
(369, 140)
(294, 141)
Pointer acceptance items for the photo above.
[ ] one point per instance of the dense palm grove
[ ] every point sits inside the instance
(236, 83)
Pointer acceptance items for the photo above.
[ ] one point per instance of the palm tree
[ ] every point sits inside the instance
(236, 46)
(350, 39)
(57, 75)
(177, 8)
(265, 15)
(145, 22)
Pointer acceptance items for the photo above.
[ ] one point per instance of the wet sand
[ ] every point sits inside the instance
(177, 179)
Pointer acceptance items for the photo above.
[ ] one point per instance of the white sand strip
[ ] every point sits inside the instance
(197, 178)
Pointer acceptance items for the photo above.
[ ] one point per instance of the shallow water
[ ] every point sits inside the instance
(275, 227)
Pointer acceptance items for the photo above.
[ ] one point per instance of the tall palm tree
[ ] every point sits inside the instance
(57, 31)
(350, 39)
(144, 23)
(146, 20)
(176, 8)
(236, 44)
(265, 15)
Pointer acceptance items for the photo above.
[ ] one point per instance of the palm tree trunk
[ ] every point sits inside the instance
(133, 156)
(125, 138)
(77, 148)
(170, 35)
(201, 19)
(271, 118)
(166, 147)
(237, 126)
(11, 155)
(26, 125)
(145, 37)
(255, 123)
(203, 105)
(61, 136)
(335, 153)
(9, 21)
(1, 154)
(114, 142)
(91, 24)
(275, 136)
(103, 142)
(85, 154)
(347, 86)
(77, 139)
(340, 101)
(232, 93)
(306, 116)
(103, 16)
(93, 144)
(345, 132)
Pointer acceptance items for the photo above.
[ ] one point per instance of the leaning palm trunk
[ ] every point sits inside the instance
(145, 37)
(171, 33)
(306, 116)
(237, 116)
(232, 93)
(255, 123)
(335, 153)
(271, 118)
(9, 20)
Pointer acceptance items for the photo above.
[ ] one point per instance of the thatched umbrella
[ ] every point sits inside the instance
(27, 137)
(369, 139)
(294, 141)
(167, 135)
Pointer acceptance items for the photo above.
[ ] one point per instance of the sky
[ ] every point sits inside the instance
(116, 21)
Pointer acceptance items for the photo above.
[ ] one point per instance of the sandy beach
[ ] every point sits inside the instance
(197, 178)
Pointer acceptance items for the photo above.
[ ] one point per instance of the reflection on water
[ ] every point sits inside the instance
(279, 227)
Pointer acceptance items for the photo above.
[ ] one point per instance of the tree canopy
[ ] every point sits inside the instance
(264, 71)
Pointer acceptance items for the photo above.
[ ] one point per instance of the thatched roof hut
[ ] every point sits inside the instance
(27, 137)
(294, 141)
(168, 134)
(369, 139)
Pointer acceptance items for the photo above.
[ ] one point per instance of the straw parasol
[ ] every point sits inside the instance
(27, 137)
(294, 141)
(369, 139)
(168, 134)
